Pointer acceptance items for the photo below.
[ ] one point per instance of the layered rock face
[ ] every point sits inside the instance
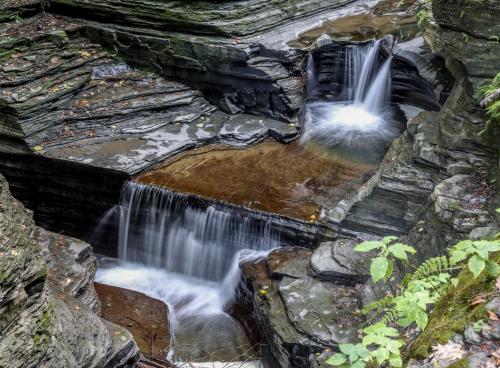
(221, 47)
(468, 32)
(304, 303)
(48, 300)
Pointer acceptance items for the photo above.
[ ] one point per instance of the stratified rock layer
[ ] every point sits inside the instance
(48, 320)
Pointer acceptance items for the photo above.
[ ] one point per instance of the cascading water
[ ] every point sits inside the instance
(188, 257)
(159, 228)
(360, 119)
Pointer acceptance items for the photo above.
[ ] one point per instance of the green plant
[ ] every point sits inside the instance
(423, 18)
(478, 325)
(478, 255)
(382, 266)
(495, 39)
(489, 93)
(16, 18)
(381, 343)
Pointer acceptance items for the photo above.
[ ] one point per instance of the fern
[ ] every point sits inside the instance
(378, 305)
(381, 310)
(430, 267)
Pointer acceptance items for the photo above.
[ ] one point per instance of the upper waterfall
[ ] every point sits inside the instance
(359, 116)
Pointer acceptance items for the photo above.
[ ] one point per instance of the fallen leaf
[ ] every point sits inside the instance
(478, 300)
(492, 315)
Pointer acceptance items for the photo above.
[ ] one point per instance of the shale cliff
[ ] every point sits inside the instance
(47, 298)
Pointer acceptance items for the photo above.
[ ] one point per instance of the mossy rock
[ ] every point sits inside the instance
(453, 312)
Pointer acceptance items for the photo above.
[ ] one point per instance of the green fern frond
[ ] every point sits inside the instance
(390, 316)
(378, 305)
(430, 267)
(381, 310)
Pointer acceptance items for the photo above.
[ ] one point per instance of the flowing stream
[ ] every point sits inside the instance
(187, 254)
(188, 257)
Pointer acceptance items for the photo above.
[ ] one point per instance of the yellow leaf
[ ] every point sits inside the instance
(85, 54)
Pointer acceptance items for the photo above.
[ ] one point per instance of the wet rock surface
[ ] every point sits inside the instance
(337, 260)
(470, 37)
(144, 317)
(218, 47)
(298, 314)
(86, 107)
(293, 180)
(389, 17)
(49, 321)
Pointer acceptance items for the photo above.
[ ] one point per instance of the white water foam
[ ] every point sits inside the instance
(189, 258)
(362, 120)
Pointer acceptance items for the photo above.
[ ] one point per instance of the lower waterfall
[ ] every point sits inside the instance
(188, 257)
(159, 228)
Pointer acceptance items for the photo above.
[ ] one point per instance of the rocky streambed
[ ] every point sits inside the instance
(171, 135)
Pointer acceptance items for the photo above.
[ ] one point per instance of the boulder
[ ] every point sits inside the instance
(298, 315)
(144, 317)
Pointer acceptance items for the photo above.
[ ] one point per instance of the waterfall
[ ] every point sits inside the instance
(359, 120)
(188, 256)
(379, 90)
(369, 56)
(311, 75)
(159, 228)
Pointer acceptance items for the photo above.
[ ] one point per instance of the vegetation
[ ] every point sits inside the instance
(491, 91)
(473, 261)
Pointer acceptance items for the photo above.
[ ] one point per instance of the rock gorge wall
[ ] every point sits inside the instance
(439, 183)
(218, 47)
(48, 301)
(435, 186)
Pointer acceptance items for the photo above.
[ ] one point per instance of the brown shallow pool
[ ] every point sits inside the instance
(290, 180)
(361, 27)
